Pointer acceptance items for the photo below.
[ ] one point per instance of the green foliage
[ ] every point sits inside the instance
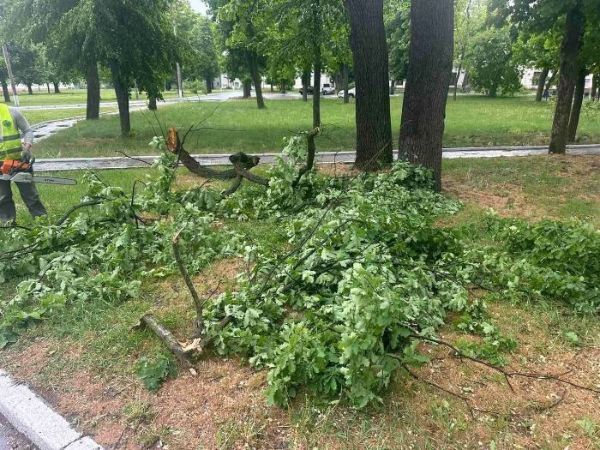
(491, 65)
(103, 255)
(366, 271)
(546, 260)
(154, 372)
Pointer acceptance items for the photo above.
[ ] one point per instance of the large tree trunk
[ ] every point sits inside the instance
(577, 104)
(427, 84)
(29, 88)
(247, 86)
(541, 84)
(48, 87)
(256, 79)
(369, 50)
(93, 92)
(595, 81)
(5, 92)
(152, 106)
(122, 92)
(209, 85)
(56, 87)
(569, 71)
(317, 89)
(305, 84)
(345, 77)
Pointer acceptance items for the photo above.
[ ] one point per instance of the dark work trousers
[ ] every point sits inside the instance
(30, 197)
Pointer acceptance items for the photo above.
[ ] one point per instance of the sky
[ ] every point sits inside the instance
(198, 5)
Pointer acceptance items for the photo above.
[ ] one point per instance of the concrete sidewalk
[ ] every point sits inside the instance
(37, 421)
(67, 164)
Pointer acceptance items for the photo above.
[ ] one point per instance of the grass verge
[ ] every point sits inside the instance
(84, 361)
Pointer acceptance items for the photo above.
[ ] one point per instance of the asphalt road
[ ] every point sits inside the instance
(11, 439)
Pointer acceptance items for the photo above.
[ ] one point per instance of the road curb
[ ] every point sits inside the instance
(37, 421)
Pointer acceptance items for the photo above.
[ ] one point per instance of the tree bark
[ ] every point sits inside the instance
(5, 92)
(427, 85)
(256, 79)
(247, 86)
(29, 88)
(541, 84)
(56, 87)
(569, 71)
(393, 87)
(305, 85)
(577, 104)
(209, 85)
(317, 89)
(345, 77)
(594, 93)
(93, 92)
(369, 50)
(122, 92)
(48, 87)
(152, 106)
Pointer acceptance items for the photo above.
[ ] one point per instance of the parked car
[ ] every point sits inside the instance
(328, 89)
(310, 90)
(351, 93)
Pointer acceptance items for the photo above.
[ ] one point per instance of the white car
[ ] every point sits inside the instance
(351, 93)
(328, 89)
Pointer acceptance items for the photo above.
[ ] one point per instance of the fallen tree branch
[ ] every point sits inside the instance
(64, 218)
(198, 303)
(310, 157)
(167, 338)
(507, 374)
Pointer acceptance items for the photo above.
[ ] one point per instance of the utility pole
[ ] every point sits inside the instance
(10, 75)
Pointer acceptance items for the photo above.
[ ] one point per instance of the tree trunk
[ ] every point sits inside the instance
(369, 50)
(305, 84)
(29, 88)
(257, 80)
(122, 92)
(569, 71)
(541, 84)
(595, 81)
(56, 87)
(48, 87)
(5, 92)
(427, 84)
(317, 89)
(93, 92)
(209, 85)
(152, 106)
(393, 87)
(345, 77)
(577, 104)
(247, 86)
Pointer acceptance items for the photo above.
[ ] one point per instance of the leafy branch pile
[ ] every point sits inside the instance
(364, 272)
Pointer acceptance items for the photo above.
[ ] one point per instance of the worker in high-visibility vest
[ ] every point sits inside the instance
(13, 128)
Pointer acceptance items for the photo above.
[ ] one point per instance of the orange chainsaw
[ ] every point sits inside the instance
(22, 172)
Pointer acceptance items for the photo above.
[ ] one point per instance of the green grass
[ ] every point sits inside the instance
(237, 125)
(413, 414)
(75, 96)
(35, 117)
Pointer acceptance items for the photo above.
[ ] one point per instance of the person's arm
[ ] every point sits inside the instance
(24, 127)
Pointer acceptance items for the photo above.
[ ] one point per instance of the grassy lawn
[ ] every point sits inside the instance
(237, 125)
(74, 96)
(83, 361)
(35, 117)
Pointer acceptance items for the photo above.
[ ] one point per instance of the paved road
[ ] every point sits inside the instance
(66, 164)
(11, 440)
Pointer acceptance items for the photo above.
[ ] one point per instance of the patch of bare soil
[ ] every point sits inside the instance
(506, 199)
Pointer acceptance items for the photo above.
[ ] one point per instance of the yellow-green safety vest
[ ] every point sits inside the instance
(10, 139)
